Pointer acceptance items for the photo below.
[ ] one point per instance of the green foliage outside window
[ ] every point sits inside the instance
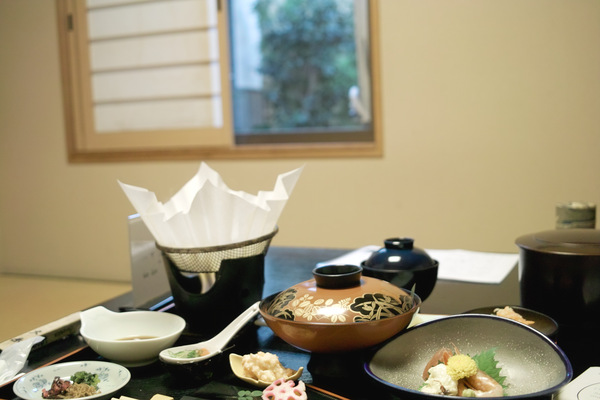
(308, 62)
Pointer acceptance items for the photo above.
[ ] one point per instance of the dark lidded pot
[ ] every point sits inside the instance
(403, 265)
(559, 274)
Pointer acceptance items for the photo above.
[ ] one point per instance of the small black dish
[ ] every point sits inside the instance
(542, 323)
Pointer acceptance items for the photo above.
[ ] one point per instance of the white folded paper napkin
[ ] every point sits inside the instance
(205, 212)
(13, 359)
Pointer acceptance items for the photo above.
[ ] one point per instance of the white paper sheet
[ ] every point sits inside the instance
(455, 265)
(585, 387)
(473, 266)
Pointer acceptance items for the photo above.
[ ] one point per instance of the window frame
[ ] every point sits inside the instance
(86, 145)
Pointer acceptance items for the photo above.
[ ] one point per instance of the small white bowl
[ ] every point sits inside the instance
(133, 338)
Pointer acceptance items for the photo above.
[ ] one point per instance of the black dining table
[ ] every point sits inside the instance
(327, 376)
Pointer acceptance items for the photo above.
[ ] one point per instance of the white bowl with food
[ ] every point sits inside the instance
(498, 357)
(133, 338)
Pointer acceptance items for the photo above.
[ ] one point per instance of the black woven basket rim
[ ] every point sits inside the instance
(223, 247)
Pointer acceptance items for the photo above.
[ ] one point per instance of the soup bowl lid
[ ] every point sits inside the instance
(399, 254)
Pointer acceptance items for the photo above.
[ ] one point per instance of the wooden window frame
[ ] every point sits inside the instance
(84, 145)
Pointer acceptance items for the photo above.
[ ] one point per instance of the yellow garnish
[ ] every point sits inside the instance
(461, 366)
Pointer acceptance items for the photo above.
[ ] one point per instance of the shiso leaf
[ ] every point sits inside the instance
(486, 361)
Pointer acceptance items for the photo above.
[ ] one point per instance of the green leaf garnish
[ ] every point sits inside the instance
(86, 377)
(249, 395)
(486, 361)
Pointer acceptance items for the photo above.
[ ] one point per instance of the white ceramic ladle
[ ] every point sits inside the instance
(215, 345)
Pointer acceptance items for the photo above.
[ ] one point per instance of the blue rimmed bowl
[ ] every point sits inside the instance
(534, 366)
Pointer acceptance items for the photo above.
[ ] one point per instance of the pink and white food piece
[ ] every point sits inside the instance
(285, 390)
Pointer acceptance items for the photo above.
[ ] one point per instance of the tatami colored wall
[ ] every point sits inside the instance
(491, 116)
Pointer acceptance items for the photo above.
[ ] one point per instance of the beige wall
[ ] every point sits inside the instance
(490, 117)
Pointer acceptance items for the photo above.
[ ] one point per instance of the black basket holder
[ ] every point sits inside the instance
(238, 284)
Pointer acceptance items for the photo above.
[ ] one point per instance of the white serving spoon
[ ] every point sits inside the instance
(214, 345)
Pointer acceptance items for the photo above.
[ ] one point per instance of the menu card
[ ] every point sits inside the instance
(473, 266)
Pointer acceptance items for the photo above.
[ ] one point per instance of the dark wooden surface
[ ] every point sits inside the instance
(341, 374)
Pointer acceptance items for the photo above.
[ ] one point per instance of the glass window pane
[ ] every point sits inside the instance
(300, 67)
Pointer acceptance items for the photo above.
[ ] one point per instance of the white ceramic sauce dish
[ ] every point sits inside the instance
(133, 338)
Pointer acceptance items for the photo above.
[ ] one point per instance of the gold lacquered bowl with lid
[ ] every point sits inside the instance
(339, 310)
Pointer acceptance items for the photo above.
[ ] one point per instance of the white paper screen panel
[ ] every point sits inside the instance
(154, 65)
(174, 114)
(155, 51)
(151, 17)
(105, 3)
(163, 83)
